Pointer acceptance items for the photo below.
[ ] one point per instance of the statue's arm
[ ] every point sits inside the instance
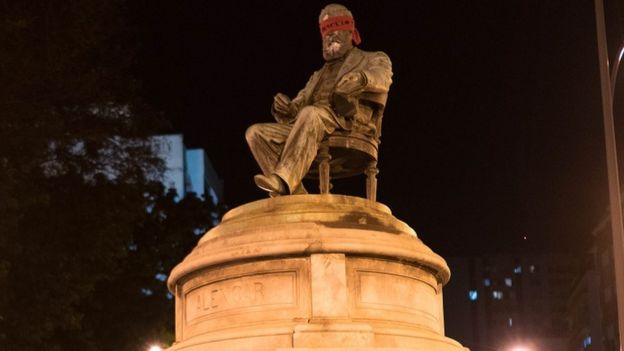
(373, 76)
(295, 105)
(378, 73)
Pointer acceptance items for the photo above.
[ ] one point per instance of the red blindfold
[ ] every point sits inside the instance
(333, 24)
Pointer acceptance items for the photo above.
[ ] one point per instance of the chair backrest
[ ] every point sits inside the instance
(377, 102)
(352, 151)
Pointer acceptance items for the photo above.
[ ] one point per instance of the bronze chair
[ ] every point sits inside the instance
(348, 153)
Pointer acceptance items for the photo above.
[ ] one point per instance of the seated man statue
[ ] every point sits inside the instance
(329, 101)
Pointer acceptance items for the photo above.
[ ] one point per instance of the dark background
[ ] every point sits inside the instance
(492, 137)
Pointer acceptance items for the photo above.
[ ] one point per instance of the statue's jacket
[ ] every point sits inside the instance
(377, 69)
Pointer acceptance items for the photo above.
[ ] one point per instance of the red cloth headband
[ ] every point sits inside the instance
(337, 23)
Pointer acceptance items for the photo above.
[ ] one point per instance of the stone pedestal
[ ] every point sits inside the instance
(310, 272)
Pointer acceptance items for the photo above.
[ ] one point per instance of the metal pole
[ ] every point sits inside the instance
(617, 229)
(614, 70)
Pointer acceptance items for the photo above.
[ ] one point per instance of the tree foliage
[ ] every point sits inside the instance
(160, 241)
(76, 177)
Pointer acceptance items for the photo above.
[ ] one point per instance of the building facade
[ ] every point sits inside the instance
(188, 170)
(584, 314)
(592, 308)
(496, 302)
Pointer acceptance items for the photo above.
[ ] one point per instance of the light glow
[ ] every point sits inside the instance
(155, 348)
(473, 295)
(520, 348)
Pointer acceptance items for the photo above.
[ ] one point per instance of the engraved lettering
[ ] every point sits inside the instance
(199, 302)
(236, 294)
(213, 298)
(241, 293)
(258, 292)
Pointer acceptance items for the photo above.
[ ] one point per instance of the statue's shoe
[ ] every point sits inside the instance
(272, 184)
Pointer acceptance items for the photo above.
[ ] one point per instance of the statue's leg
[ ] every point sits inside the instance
(266, 141)
(311, 126)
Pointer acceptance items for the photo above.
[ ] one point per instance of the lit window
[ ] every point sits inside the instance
(532, 269)
(497, 295)
(169, 296)
(510, 322)
(587, 341)
(487, 282)
(508, 282)
(147, 292)
(473, 295)
(517, 269)
(161, 277)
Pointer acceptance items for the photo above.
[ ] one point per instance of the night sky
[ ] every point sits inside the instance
(493, 129)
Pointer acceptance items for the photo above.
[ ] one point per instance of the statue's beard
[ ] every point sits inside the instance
(334, 50)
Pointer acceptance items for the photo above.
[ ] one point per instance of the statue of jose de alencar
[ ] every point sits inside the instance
(285, 150)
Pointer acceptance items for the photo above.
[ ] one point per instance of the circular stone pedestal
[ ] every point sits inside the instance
(310, 272)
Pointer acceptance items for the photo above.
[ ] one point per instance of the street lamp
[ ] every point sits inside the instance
(615, 202)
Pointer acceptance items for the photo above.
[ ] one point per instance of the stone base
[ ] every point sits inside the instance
(310, 272)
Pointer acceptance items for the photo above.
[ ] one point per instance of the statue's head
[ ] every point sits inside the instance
(338, 31)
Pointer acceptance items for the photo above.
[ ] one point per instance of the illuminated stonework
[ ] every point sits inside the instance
(309, 272)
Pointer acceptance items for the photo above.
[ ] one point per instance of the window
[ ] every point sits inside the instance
(497, 295)
(508, 282)
(473, 295)
(587, 341)
(517, 269)
(487, 282)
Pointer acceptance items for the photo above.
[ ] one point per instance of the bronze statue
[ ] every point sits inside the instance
(329, 102)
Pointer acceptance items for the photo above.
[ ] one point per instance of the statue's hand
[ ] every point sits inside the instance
(351, 83)
(282, 104)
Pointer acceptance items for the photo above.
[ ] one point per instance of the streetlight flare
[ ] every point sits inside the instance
(158, 348)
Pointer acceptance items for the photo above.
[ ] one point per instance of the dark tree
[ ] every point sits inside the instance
(135, 309)
(76, 177)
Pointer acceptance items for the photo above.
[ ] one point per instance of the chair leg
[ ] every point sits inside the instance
(371, 181)
(324, 158)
